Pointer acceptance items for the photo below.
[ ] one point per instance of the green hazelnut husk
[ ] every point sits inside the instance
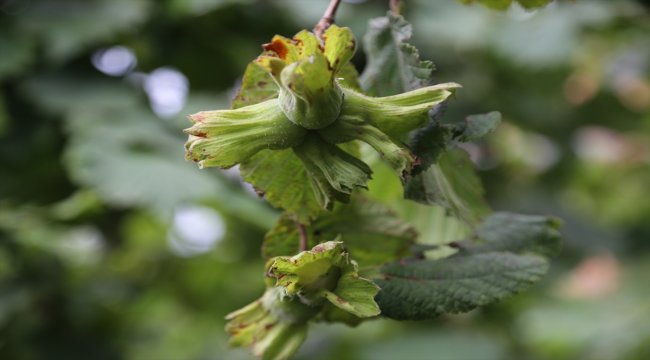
(317, 284)
(348, 128)
(333, 172)
(224, 138)
(309, 96)
(397, 115)
(274, 326)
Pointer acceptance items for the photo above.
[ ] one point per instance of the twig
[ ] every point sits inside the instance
(302, 231)
(327, 19)
(395, 6)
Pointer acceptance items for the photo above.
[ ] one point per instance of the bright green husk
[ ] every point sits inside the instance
(333, 172)
(321, 283)
(326, 274)
(225, 138)
(309, 95)
(348, 128)
(396, 115)
(274, 325)
(313, 114)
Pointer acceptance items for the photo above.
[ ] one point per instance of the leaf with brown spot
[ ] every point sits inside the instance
(257, 86)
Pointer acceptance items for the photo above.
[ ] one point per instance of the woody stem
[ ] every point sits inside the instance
(327, 19)
(302, 231)
(395, 6)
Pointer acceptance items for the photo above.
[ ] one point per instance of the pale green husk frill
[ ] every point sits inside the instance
(320, 284)
(312, 114)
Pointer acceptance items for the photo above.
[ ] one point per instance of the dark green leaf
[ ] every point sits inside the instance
(446, 175)
(510, 254)
(452, 183)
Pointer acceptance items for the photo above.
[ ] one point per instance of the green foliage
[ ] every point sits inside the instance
(257, 86)
(284, 182)
(107, 235)
(446, 175)
(71, 26)
(325, 113)
(444, 178)
(510, 253)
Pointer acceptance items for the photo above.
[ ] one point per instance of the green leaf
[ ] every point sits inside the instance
(73, 25)
(446, 175)
(452, 183)
(354, 295)
(340, 46)
(394, 66)
(443, 178)
(257, 86)
(511, 252)
(280, 176)
(519, 234)
(286, 183)
(373, 233)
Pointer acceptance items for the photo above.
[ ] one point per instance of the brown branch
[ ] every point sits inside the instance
(304, 240)
(395, 6)
(327, 19)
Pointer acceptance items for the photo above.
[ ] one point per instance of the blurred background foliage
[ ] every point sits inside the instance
(113, 247)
